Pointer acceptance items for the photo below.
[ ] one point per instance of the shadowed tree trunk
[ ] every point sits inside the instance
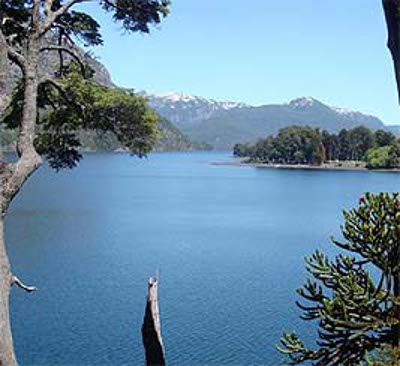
(7, 357)
(12, 178)
(151, 329)
(392, 16)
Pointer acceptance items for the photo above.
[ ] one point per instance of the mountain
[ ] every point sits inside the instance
(188, 110)
(171, 138)
(222, 124)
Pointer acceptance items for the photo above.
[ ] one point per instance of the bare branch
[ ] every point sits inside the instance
(16, 281)
(16, 57)
(59, 87)
(35, 14)
(4, 73)
(52, 17)
(69, 51)
(47, 7)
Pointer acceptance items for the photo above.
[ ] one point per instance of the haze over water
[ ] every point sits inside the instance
(228, 242)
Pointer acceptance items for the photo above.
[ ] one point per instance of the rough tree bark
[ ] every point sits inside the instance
(7, 357)
(151, 329)
(392, 16)
(14, 175)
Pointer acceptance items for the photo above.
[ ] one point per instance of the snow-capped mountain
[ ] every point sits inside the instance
(222, 124)
(248, 123)
(309, 102)
(187, 110)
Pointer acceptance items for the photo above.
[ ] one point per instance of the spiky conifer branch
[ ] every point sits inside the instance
(356, 312)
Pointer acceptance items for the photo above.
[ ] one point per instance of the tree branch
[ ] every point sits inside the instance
(19, 173)
(70, 52)
(53, 16)
(4, 73)
(59, 87)
(35, 14)
(16, 57)
(47, 7)
(16, 281)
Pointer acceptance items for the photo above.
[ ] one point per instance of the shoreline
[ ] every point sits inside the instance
(326, 167)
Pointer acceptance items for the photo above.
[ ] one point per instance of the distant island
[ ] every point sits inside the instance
(310, 148)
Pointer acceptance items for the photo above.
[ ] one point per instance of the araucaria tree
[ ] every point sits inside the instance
(354, 298)
(49, 109)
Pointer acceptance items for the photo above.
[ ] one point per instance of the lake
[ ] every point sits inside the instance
(228, 243)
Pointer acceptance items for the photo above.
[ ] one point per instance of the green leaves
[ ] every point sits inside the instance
(306, 145)
(355, 310)
(137, 15)
(385, 157)
(73, 104)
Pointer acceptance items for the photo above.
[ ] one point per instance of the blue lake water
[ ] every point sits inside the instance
(228, 242)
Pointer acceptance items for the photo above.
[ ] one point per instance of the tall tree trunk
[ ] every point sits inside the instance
(12, 178)
(392, 16)
(7, 356)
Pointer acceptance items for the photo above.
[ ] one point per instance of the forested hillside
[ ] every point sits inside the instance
(170, 137)
(296, 145)
(248, 124)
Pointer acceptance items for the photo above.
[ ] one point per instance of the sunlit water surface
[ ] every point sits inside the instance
(228, 243)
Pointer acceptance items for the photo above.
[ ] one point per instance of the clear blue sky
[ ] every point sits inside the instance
(260, 52)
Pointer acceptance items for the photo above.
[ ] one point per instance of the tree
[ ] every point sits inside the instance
(331, 144)
(361, 139)
(385, 356)
(344, 152)
(355, 299)
(48, 109)
(356, 314)
(385, 157)
(383, 138)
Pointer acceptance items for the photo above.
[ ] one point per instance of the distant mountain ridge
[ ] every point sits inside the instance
(170, 137)
(222, 124)
(187, 110)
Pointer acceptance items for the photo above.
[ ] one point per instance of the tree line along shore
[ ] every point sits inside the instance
(310, 148)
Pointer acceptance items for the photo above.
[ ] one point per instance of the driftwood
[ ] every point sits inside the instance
(151, 329)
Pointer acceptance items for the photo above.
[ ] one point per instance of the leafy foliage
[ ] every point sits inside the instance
(385, 157)
(306, 145)
(356, 311)
(292, 145)
(137, 15)
(69, 101)
(77, 104)
(385, 356)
